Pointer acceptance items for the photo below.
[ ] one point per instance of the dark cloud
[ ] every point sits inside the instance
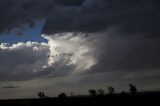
(136, 16)
(22, 61)
(20, 13)
(69, 2)
(24, 13)
(97, 15)
(10, 87)
(129, 54)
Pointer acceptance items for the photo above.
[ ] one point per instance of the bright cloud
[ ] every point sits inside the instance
(72, 49)
(66, 53)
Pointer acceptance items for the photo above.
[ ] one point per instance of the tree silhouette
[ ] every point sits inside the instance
(132, 89)
(62, 95)
(123, 93)
(41, 94)
(92, 92)
(101, 92)
(111, 89)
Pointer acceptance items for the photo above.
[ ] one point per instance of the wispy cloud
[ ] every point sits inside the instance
(10, 87)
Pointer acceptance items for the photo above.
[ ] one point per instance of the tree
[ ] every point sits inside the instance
(111, 90)
(101, 92)
(41, 94)
(132, 89)
(92, 92)
(62, 95)
(123, 93)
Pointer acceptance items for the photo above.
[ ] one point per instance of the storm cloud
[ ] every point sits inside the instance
(97, 15)
(79, 53)
(136, 16)
(25, 13)
(90, 43)
(62, 55)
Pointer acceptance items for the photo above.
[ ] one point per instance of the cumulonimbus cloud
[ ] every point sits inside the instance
(72, 49)
(65, 53)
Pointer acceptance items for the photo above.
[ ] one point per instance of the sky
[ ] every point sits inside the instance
(68, 46)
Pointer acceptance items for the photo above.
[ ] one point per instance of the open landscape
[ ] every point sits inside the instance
(94, 52)
(150, 97)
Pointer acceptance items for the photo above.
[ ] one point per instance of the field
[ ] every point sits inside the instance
(143, 97)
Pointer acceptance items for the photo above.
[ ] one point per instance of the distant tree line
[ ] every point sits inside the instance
(111, 91)
(100, 92)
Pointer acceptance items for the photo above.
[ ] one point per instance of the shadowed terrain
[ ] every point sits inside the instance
(122, 98)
